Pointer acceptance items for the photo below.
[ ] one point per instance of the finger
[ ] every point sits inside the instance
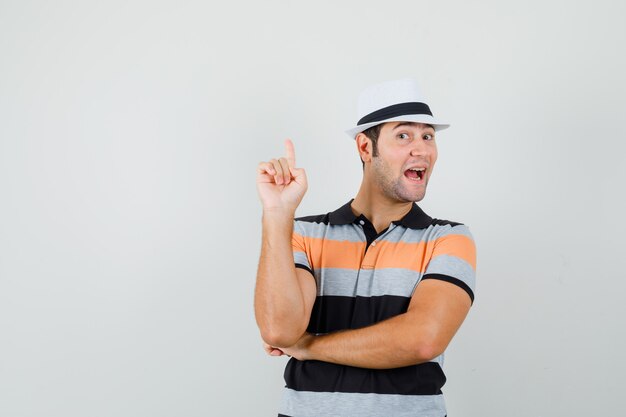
(286, 173)
(297, 173)
(270, 350)
(299, 176)
(278, 169)
(266, 168)
(291, 153)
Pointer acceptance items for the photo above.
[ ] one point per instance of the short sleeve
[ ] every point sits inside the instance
(454, 259)
(299, 249)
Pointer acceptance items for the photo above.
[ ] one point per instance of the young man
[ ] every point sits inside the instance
(365, 299)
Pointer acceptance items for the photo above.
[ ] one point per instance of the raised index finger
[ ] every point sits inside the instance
(291, 153)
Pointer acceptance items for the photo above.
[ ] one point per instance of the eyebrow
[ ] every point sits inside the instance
(412, 124)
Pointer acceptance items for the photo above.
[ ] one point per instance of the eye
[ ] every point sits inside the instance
(403, 136)
(428, 136)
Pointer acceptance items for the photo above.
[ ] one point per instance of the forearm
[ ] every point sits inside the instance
(393, 343)
(279, 302)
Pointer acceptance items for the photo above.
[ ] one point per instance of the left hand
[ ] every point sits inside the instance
(300, 350)
(271, 350)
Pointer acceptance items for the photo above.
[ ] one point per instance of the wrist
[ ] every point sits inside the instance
(282, 213)
(310, 347)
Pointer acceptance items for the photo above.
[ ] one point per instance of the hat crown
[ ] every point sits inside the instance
(393, 101)
(386, 94)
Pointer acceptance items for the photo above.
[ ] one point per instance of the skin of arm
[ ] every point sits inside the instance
(284, 295)
(435, 313)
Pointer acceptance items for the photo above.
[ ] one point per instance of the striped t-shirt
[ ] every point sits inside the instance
(364, 277)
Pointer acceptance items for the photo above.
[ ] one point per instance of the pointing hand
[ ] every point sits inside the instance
(280, 184)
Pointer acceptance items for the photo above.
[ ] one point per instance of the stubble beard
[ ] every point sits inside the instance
(393, 187)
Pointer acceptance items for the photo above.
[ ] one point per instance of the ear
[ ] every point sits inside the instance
(364, 147)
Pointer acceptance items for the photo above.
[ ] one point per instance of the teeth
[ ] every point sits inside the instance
(420, 171)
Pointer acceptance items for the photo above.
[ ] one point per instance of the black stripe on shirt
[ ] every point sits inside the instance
(336, 312)
(451, 280)
(424, 379)
(306, 268)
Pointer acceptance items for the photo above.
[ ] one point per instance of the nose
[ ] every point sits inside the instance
(418, 147)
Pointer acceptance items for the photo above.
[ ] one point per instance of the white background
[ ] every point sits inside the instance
(130, 225)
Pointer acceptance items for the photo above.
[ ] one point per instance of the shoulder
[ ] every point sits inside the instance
(315, 226)
(453, 239)
(317, 218)
(442, 228)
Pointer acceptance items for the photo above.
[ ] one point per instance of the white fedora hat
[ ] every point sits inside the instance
(393, 101)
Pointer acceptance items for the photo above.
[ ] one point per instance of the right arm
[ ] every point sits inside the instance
(284, 294)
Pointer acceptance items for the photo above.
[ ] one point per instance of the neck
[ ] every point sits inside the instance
(377, 207)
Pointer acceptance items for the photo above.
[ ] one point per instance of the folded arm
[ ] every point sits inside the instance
(284, 294)
(436, 311)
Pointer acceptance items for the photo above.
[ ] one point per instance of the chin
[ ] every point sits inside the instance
(411, 197)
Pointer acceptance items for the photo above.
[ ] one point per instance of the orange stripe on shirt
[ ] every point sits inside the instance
(326, 253)
(415, 256)
(460, 246)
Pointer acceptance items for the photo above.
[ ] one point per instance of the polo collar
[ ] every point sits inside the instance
(414, 219)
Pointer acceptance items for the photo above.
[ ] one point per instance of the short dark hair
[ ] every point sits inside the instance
(372, 134)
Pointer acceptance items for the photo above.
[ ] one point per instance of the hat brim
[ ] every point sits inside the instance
(417, 118)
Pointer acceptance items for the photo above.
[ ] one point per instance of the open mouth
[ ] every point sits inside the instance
(415, 174)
